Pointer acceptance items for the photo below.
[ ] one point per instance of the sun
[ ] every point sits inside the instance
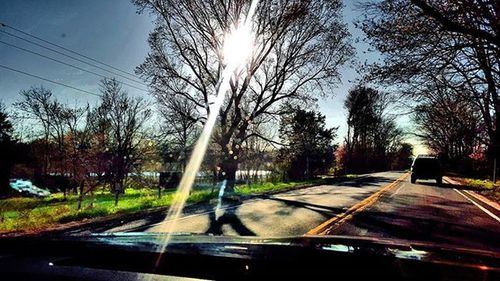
(238, 46)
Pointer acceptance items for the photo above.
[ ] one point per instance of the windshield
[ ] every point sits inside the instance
(270, 118)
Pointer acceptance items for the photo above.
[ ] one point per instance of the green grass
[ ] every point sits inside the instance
(480, 184)
(32, 214)
(269, 186)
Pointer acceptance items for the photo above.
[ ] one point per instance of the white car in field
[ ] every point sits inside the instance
(26, 187)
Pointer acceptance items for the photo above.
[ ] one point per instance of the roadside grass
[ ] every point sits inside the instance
(270, 186)
(484, 187)
(32, 214)
(480, 184)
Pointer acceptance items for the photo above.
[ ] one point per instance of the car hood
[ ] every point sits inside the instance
(156, 243)
(233, 256)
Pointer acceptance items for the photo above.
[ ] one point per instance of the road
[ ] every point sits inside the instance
(422, 212)
(426, 212)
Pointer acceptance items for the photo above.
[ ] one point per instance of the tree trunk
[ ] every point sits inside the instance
(215, 179)
(80, 197)
(116, 189)
(307, 175)
(492, 92)
(91, 205)
(495, 140)
(117, 194)
(229, 168)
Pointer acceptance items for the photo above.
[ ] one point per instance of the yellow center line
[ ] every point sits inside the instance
(339, 219)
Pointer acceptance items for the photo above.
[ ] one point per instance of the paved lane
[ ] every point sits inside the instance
(426, 212)
(289, 213)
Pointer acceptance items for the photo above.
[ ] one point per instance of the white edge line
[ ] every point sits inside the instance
(479, 206)
(477, 196)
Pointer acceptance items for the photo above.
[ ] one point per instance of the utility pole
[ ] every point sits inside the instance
(495, 170)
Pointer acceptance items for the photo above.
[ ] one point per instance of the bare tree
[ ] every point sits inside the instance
(122, 120)
(258, 148)
(53, 121)
(36, 106)
(298, 49)
(6, 147)
(451, 127)
(81, 159)
(180, 128)
(63, 134)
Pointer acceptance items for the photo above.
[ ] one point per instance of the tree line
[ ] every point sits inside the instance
(444, 57)
(298, 48)
(266, 121)
(83, 146)
(374, 141)
(79, 149)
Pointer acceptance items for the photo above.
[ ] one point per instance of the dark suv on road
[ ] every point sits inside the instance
(426, 167)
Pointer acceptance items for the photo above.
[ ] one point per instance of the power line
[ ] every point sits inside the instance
(66, 49)
(67, 64)
(48, 80)
(66, 55)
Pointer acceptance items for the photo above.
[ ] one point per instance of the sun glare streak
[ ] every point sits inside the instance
(237, 50)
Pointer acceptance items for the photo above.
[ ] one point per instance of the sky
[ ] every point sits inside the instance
(113, 33)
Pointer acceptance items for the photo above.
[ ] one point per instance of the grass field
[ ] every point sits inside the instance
(32, 214)
(22, 213)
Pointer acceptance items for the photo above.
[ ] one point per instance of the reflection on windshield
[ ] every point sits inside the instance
(243, 29)
(270, 118)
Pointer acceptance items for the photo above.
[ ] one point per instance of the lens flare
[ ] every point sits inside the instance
(237, 50)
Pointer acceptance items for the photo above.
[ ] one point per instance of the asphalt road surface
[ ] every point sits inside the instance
(422, 212)
(426, 212)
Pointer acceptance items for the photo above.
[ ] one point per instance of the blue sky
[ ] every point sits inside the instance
(112, 32)
(109, 31)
